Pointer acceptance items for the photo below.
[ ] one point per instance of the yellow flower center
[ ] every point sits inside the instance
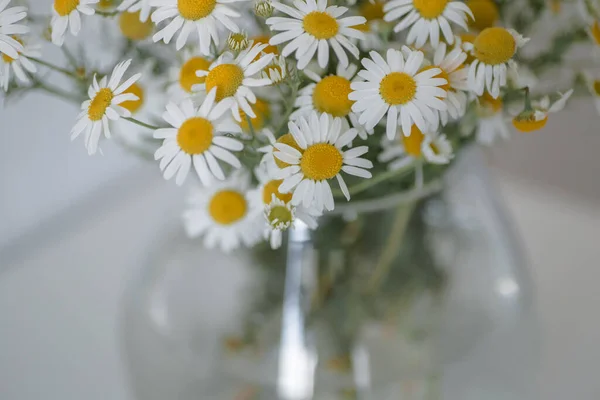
(195, 135)
(187, 75)
(272, 188)
(134, 105)
(227, 78)
(597, 88)
(494, 46)
(555, 6)
(331, 96)
(398, 88)
(321, 161)
(105, 4)
(264, 39)
(363, 27)
(289, 140)
(227, 207)
(99, 104)
(65, 7)
(489, 102)
(134, 29)
(237, 41)
(529, 124)
(195, 9)
(412, 143)
(596, 32)
(371, 11)
(280, 214)
(275, 73)
(485, 12)
(320, 24)
(262, 111)
(430, 8)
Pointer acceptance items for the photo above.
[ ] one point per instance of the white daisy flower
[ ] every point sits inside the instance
(142, 8)
(312, 28)
(183, 81)
(396, 87)
(9, 17)
(103, 106)
(203, 16)
(451, 65)
(407, 150)
(224, 215)
(197, 138)
(21, 65)
(426, 18)
(233, 79)
(437, 149)
(273, 165)
(319, 159)
(533, 120)
(281, 216)
(329, 95)
(65, 14)
(276, 71)
(238, 41)
(493, 50)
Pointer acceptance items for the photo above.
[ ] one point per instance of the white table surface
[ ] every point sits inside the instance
(61, 287)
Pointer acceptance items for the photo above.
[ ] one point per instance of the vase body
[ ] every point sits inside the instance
(412, 299)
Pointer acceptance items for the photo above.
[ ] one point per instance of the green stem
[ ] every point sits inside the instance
(69, 56)
(288, 109)
(377, 179)
(250, 126)
(58, 92)
(55, 67)
(140, 123)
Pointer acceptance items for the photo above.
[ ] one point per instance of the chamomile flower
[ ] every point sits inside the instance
(65, 14)
(182, 77)
(451, 65)
(140, 8)
(104, 105)
(311, 28)
(536, 118)
(398, 88)
(233, 77)
(202, 16)
(373, 13)
(426, 18)
(437, 149)
(491, 123)
(405, 151)
(224, 215)
(133, 27)
(493, 50)
(21, 65)
(197, 138)
(9, 17)
(276, 71)
(273, 165)
(281, 216)
(329, 95)
(319, 159)
(237, 41)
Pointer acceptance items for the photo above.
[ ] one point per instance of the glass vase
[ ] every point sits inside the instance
(420, 295)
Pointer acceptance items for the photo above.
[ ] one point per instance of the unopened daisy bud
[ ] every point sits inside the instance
(276, 71)
(281, 216)
(263, 8)
(238, 41)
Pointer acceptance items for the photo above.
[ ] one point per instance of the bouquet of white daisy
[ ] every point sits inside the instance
(289, 115)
